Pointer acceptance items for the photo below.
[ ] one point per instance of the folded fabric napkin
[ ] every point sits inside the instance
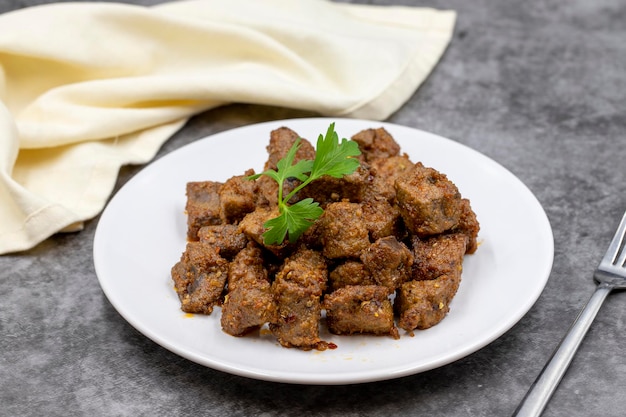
(88, 87)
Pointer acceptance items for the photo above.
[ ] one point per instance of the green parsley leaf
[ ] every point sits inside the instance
(334, 158)
(288, 170)
(331, 158)
(294, 220)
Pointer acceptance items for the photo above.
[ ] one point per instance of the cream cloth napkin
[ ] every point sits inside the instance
(88, 87)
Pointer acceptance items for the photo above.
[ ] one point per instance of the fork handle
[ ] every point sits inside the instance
(544, 386)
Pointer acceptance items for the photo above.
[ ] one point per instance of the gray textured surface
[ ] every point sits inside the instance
(539, 86)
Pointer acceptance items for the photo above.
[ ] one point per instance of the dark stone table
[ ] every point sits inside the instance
(539, 86)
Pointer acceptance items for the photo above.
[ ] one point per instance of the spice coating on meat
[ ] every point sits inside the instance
(247, 266)
(384, 173)
(429, 203)
(281, 140)
(202, 206)
(438, 255)
(298, 314)
(343, 231)
(376, 143)
(423, 304)
(360, 309)
(253, 227)
(226, 237)
(249, 303)
(381, 219)
(350, 273)
(297, 291)
(468, 225)
(238, 197)
(247, 308)
(199, 277)
(306, 268)
(327, 189)
(389, 262)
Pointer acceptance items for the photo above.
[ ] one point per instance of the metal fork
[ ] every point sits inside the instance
(610, 275)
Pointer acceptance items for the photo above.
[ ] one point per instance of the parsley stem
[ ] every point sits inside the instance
(295, 190)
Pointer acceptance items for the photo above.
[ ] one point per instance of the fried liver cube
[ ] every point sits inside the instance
(297, 291)
(438, 255)
(226, 237)
(360, 309)
(350, 273)
(429, 202)
(343, 231)
(199, 277)
(247, 308)
(249, 303)
(267, 189)
(306, 268)
(247, 265)
(384, 172)
(468, 225)
(381, 219)
(423, 304)
(376, 143)
(281, 140)
(353, 187)
(202, 206)
(253, 227)
(238, 197)
(389, 262)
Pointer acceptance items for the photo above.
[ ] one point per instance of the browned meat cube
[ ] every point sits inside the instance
(343, 231)
(388, 262)
(281, 140)
(376, 143)
(468, 225)
(350, 273)
(438, 255)
(382, 219)
(238, 197)
(249, 303)
(247, 308)
(297, 290)
(199, 277)
(267, 190)
(297, 317)
(202, 207)
(429, 203)
(247, 265)
(226, 237)
(360, 309)
(312, 237)
(305, 268)
(253, 227)
(384, 173)
(422, 304)
(354, 188)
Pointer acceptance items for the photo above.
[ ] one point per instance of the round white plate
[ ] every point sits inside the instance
(142, 233)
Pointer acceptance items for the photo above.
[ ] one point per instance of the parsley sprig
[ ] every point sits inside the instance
(332, 158)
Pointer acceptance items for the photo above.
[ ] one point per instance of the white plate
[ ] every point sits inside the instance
(141, 234)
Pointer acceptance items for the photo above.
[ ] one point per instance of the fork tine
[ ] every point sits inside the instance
(617, 245)
(621, 261)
